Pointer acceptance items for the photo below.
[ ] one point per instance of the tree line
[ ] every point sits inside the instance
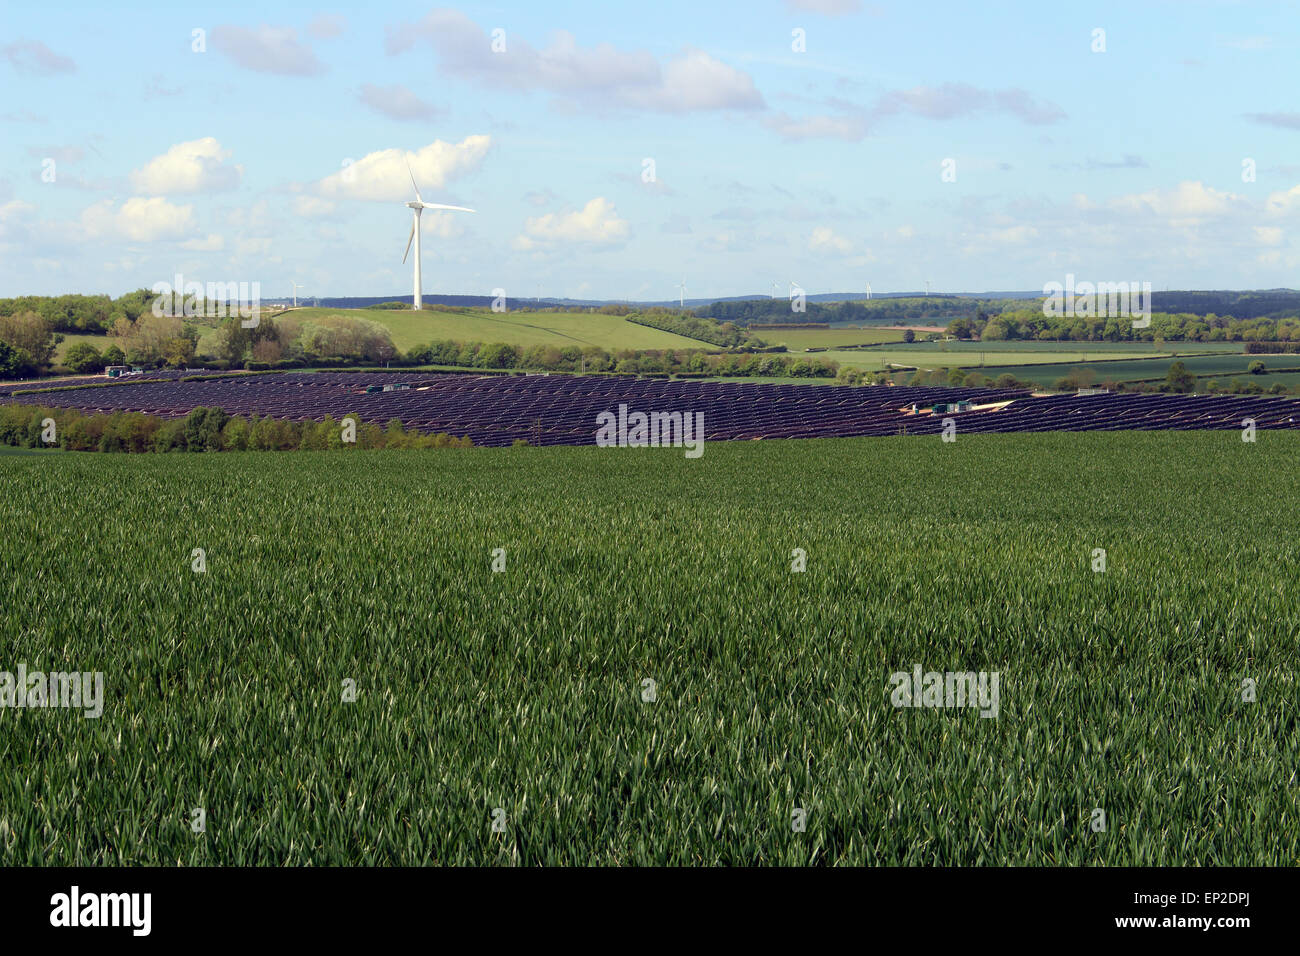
(203, 429)
(1031, 324)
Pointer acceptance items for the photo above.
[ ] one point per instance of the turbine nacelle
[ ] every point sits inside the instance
(417, 206)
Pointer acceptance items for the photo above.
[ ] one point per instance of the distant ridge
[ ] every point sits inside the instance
(514, 302)
(1255, 303)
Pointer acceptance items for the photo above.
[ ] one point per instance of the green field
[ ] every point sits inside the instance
(796, 340)
(522, 690)
(1223, 367)
(610, 332)
(987, 360)
(100, 342)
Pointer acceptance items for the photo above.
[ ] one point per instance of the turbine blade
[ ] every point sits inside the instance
(413, 182)
(409, 240)
(439, 205)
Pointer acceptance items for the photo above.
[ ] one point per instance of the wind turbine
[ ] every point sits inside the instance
(868, 291)
(418, 205)
(775, 286)
(296, 287)
(682, 300)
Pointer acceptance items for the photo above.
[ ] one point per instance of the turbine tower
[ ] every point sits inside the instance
(868, 291)
(296, 287)
(417, 206)
(682, 292)
(775, 286)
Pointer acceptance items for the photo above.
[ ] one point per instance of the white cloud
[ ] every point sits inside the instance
(311, 207)
(32, 56)
(825, 239)
(267, 50)
(138, 219)
(1268, 235)
(258, 247)
(396, 102)
(945, 102)
(327, 25)
(382, 176)
(12, 216)
(829, 8)
(443, 225)
(696, 81)
(1188, 202)
(197, 166)
(601, 76)
(213, 243)
(1283, 120)
(597, 223)
(954, 100)
(1013, 235)
(1283, 202)
(850, 128)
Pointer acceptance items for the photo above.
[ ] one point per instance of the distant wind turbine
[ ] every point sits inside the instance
(775, 286)
(682, 301)
(418, 205)
(296, 287)
(868, 291)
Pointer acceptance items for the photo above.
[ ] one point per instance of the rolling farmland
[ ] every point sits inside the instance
(1223, 366)
(564, 410)
(525, 691)
(519, 328)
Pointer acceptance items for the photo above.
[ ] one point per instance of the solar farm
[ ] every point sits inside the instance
(496, 410)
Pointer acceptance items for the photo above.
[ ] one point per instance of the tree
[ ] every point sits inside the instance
(30, 333)
(113, 356)
(178, 351)
(1256, 367)
(909, 336)
(83, 358)
(203, 427)
(1179, 379)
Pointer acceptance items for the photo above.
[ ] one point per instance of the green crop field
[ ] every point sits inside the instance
(560, 329)
(1224, 367)
(520, 696)
(796, 340)
(1053, 359)
(993, 360)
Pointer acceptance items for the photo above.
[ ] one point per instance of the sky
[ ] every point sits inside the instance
(618, 150)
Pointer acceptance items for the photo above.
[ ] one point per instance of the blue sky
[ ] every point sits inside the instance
(278, 152)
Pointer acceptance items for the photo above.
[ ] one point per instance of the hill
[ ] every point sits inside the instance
(522, 328)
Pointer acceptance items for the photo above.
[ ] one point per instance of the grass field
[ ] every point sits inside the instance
(1223, 367)
(796, 340)
(609, 332)
(100, 342)
(523, 690)
(987, 360)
